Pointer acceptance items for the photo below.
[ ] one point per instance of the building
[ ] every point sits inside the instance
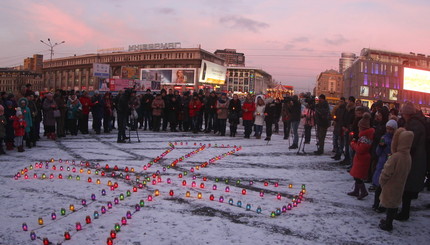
(330, 83)
(247, 80)
(346, 60)
(231, 57)
(380, 75)
(76, 72)
(12, 81)
(34, 64)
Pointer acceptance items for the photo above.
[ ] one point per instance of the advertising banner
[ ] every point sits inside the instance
(416, 80)
(101, 70)
(128, 72)
(169, 76)
(364, 91)
(212, 73)
(394, 93)
(122, 84)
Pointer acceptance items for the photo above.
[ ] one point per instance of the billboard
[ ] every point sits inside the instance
(128, 72)
(113, 84)
(101, 70)
(416, 80)
(364, 91)
(169, 76)
(393, 94)
(212, 73)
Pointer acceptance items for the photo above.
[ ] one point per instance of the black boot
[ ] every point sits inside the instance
(376, 206)
(363, 192)
(336, 157)
(21, 148)
(387, 224)
(293, 146)
(355, 192)
(406, 207)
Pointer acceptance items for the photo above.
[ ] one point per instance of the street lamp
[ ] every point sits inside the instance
(51, 49)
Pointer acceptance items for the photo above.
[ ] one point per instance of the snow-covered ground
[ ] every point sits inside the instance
(326, 214)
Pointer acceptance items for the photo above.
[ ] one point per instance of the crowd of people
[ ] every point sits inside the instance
(380, 145)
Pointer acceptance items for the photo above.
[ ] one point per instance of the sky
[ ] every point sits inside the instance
(294, 41)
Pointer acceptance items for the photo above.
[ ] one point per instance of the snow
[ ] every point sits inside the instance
(325, 216)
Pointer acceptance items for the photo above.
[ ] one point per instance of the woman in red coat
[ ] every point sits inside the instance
(362, 157)
(248, 109)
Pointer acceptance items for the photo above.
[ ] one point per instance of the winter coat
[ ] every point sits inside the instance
(248, 109)
(222, 108)
(234, 111)
(194, 107)
(73, 108)
(19, 126)
(157, 106)
(362, 157)
(270, 111)
(295, 111)
(285, 111)
(97, 106)
(396, 169)
(3, 123)
(86, 104)
(48, 112)
(211, 103)
(173, 109)
(322, 114)
(108, 106)
(382, 153)
(338, 118)
(308, 116)
(259, 115)
(415, 182)
(26, 112)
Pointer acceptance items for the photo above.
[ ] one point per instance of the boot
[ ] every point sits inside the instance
(336, 157)
(355, 192)
(404, 214)
(293, 146)
(21, 148)
(363, 191)
(387, 224)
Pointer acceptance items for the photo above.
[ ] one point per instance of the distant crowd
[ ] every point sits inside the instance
(381, 145)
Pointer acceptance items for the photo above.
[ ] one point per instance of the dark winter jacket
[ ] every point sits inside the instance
(382, 152)
(295, 111)
(98, 106)
(48, 112)
(322, 114)
(234, 111)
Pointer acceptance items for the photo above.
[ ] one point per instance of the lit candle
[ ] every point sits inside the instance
(113, 234)
(221, 199)
(53, 216)
(227, 189)
(123, 221)
(202, 185)
(88, 220)
(142, 203)
(33, 236)
(67, 236)
(261, 193)
(72, 207)
(248, 207)
(157, 192)
(117, 227)
(239, 204)
(128, 215)
(187, 194)
(96, 215)
(243, 191)
(171, 193)
(149, 198)
(258, 210)
(63, 211)
(103, 192)
(121, 196)
(24, 227)
(230, 201)
(45, 241)
(199, 195)
(84, 202)
(78, 226)
(193, 184)
(290, 186)
(279, 196)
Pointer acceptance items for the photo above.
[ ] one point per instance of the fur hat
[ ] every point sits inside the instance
(392, 124)
(408, 108)
(365, 121)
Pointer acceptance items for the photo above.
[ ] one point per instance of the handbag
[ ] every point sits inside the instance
(57, 113)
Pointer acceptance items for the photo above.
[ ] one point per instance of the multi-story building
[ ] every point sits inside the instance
(34, 64)
(231, 57)
(244, 79)
(346, 60)
(330, 83)
(76, 72)
(379, 75)
(12, 81)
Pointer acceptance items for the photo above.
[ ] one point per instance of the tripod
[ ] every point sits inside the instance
(133, 119)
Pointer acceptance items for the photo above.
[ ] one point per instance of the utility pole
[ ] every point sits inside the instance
(51, 49)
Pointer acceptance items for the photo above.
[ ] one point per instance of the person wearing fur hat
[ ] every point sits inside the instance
(362, 157)
(414, 122)
(383, 151)
(19, 126)
(3, 122)
(394, 175)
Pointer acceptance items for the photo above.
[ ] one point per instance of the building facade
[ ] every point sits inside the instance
(231, 57)
(76, 72)
(34, 64)
(330, 83)
(12, 81)
(346, 60)
(379, 75)
(247, 80)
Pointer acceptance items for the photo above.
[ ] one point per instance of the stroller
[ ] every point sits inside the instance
(133, 126)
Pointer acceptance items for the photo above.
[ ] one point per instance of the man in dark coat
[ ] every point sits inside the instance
(322, 120)
(269, 113)
(122, 112)
(339, 140)
(97, 111)
(146, 104)
(415, 182)
(295, 115)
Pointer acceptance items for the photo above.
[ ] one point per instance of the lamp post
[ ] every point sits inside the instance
(51, 49)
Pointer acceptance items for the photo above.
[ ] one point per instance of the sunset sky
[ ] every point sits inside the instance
(292, 40)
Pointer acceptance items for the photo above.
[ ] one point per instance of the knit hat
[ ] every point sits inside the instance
(408, 108)
(392, 124)
(365, 121)
(18, 111)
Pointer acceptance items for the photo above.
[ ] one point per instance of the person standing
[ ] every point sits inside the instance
(259, 117)
(269, 117)
(3, 123)
(248, 109)
(146, 104)
(394, 175)
(97, 111)
(338, 137)
(60, 100)
(122, 112)
(49, 121)
(194, 109)
(74, 108)
(19, 125)
(286, 116)
(27, 114)
(173, 112)
(277, 115)
(322, 120)
(86, 107)
(308, 120)
(234, 111)
(107, 112)
(295, 114)
(415, 181)
(222, 113)
(157, 112)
